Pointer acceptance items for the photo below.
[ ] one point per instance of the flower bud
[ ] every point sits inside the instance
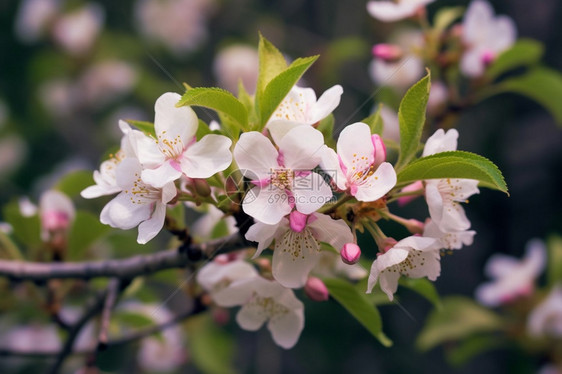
(387, 243)
(380, 149)
(56, 213)
(350, 253)
(387, 52)
(202, 187)
(316, 290)
(488, 57)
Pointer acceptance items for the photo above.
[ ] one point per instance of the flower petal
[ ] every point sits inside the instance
(268, 205)
(163, 174)
(172, 123)
(325, 105)
(331, 166)
(310, 192)
(302, 148)
(378, 184)
(151, 227)
(286, 329)
(264, 234)
(332, 231)
(122, 212)
(206, 157)
(255, 155)
(355, 148)
(251, 316)
(441, 142)
(294, 256)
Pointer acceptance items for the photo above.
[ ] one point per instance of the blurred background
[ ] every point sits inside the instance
(70, 69)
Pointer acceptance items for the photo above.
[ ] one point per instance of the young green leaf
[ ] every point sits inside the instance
(326, 127)
(85, 230)
(279, 87)
(458, 318)
(554, 263)
(524, 52)
(358, 306)
(73, 183)
(460, 354)
(411, 116)
(271, 63)
(423, 287)
(542, 85)
(144, 126)
(26, 229)
(8, 249)
(454, 164)
(446, 16)
(219, 100)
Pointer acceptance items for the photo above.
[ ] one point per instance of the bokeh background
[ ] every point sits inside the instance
(61, 97)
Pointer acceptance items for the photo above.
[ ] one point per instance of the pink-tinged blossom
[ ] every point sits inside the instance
(105, 178)
(297, 244)
(404, 66)
(283, 178)
(77, 31)
(391, 129)
(138, 203)
(262, 301)
(106, 81)
(443, 196)
(56, 212)
(414, 257)
(300, 107)
(33, 18)
(485, 37)
(175, 150)
(360, 164)
(545, 320)
(237, 64)
(512, 278)
(449, 239)
(395, 10)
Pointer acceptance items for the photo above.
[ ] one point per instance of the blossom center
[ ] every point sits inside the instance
(140, 192)
(268, 308)
(298, 243)
(172, 148)
(282, 178)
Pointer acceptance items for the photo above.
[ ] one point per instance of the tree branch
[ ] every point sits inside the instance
(128, 268)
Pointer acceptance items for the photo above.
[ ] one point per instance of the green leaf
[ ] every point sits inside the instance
(73, 183)
(144, 126)
(202, 130)
(271, 63)
(524, 52)
(132, 319)
(554, 263)
(542, 85)
(375, 121)
(411, 116)
(26, 229)
(8, 249)
(454, 164)
(446, 16)
(473, 346)
(358, 306)
(423, 287)
(219, 100)
(459, 317)
(279, 87)
(85, 230)
(211, 349)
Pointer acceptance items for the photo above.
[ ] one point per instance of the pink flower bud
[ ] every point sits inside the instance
(380, 149)
(350, 253)
(387, 244)
(202, 187)
(387, 52)
(297, 221)
(410, 188)
(316, 290)
(414, 226)
(488, 57)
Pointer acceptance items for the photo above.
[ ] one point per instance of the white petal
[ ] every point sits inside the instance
(500, 265)
(294, 257)
(449, 240)
(400, 74)
(213, 272)
(152, 226)
(264, 234)
(128, 172)
(286, 328)
(390, 11)
(535, 256)
(146, 149)
(505, 34)
(332, 231)
(472, 64)
(302, 148)
(441, 142)
(251, 317)
(331, 166)
(388, 281)
(418, 243)
(477, 21)
(378, 184)
(174, 123)
(206, 157)
(326, 104)
(163, 174)
(268, 205)
(392, 257)
(355, 148)
(310, 193)
(423, 264)
(255, 155)
(295, 105)
(123, 213)
(97, 191)
(238, 292)
(279, 128)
